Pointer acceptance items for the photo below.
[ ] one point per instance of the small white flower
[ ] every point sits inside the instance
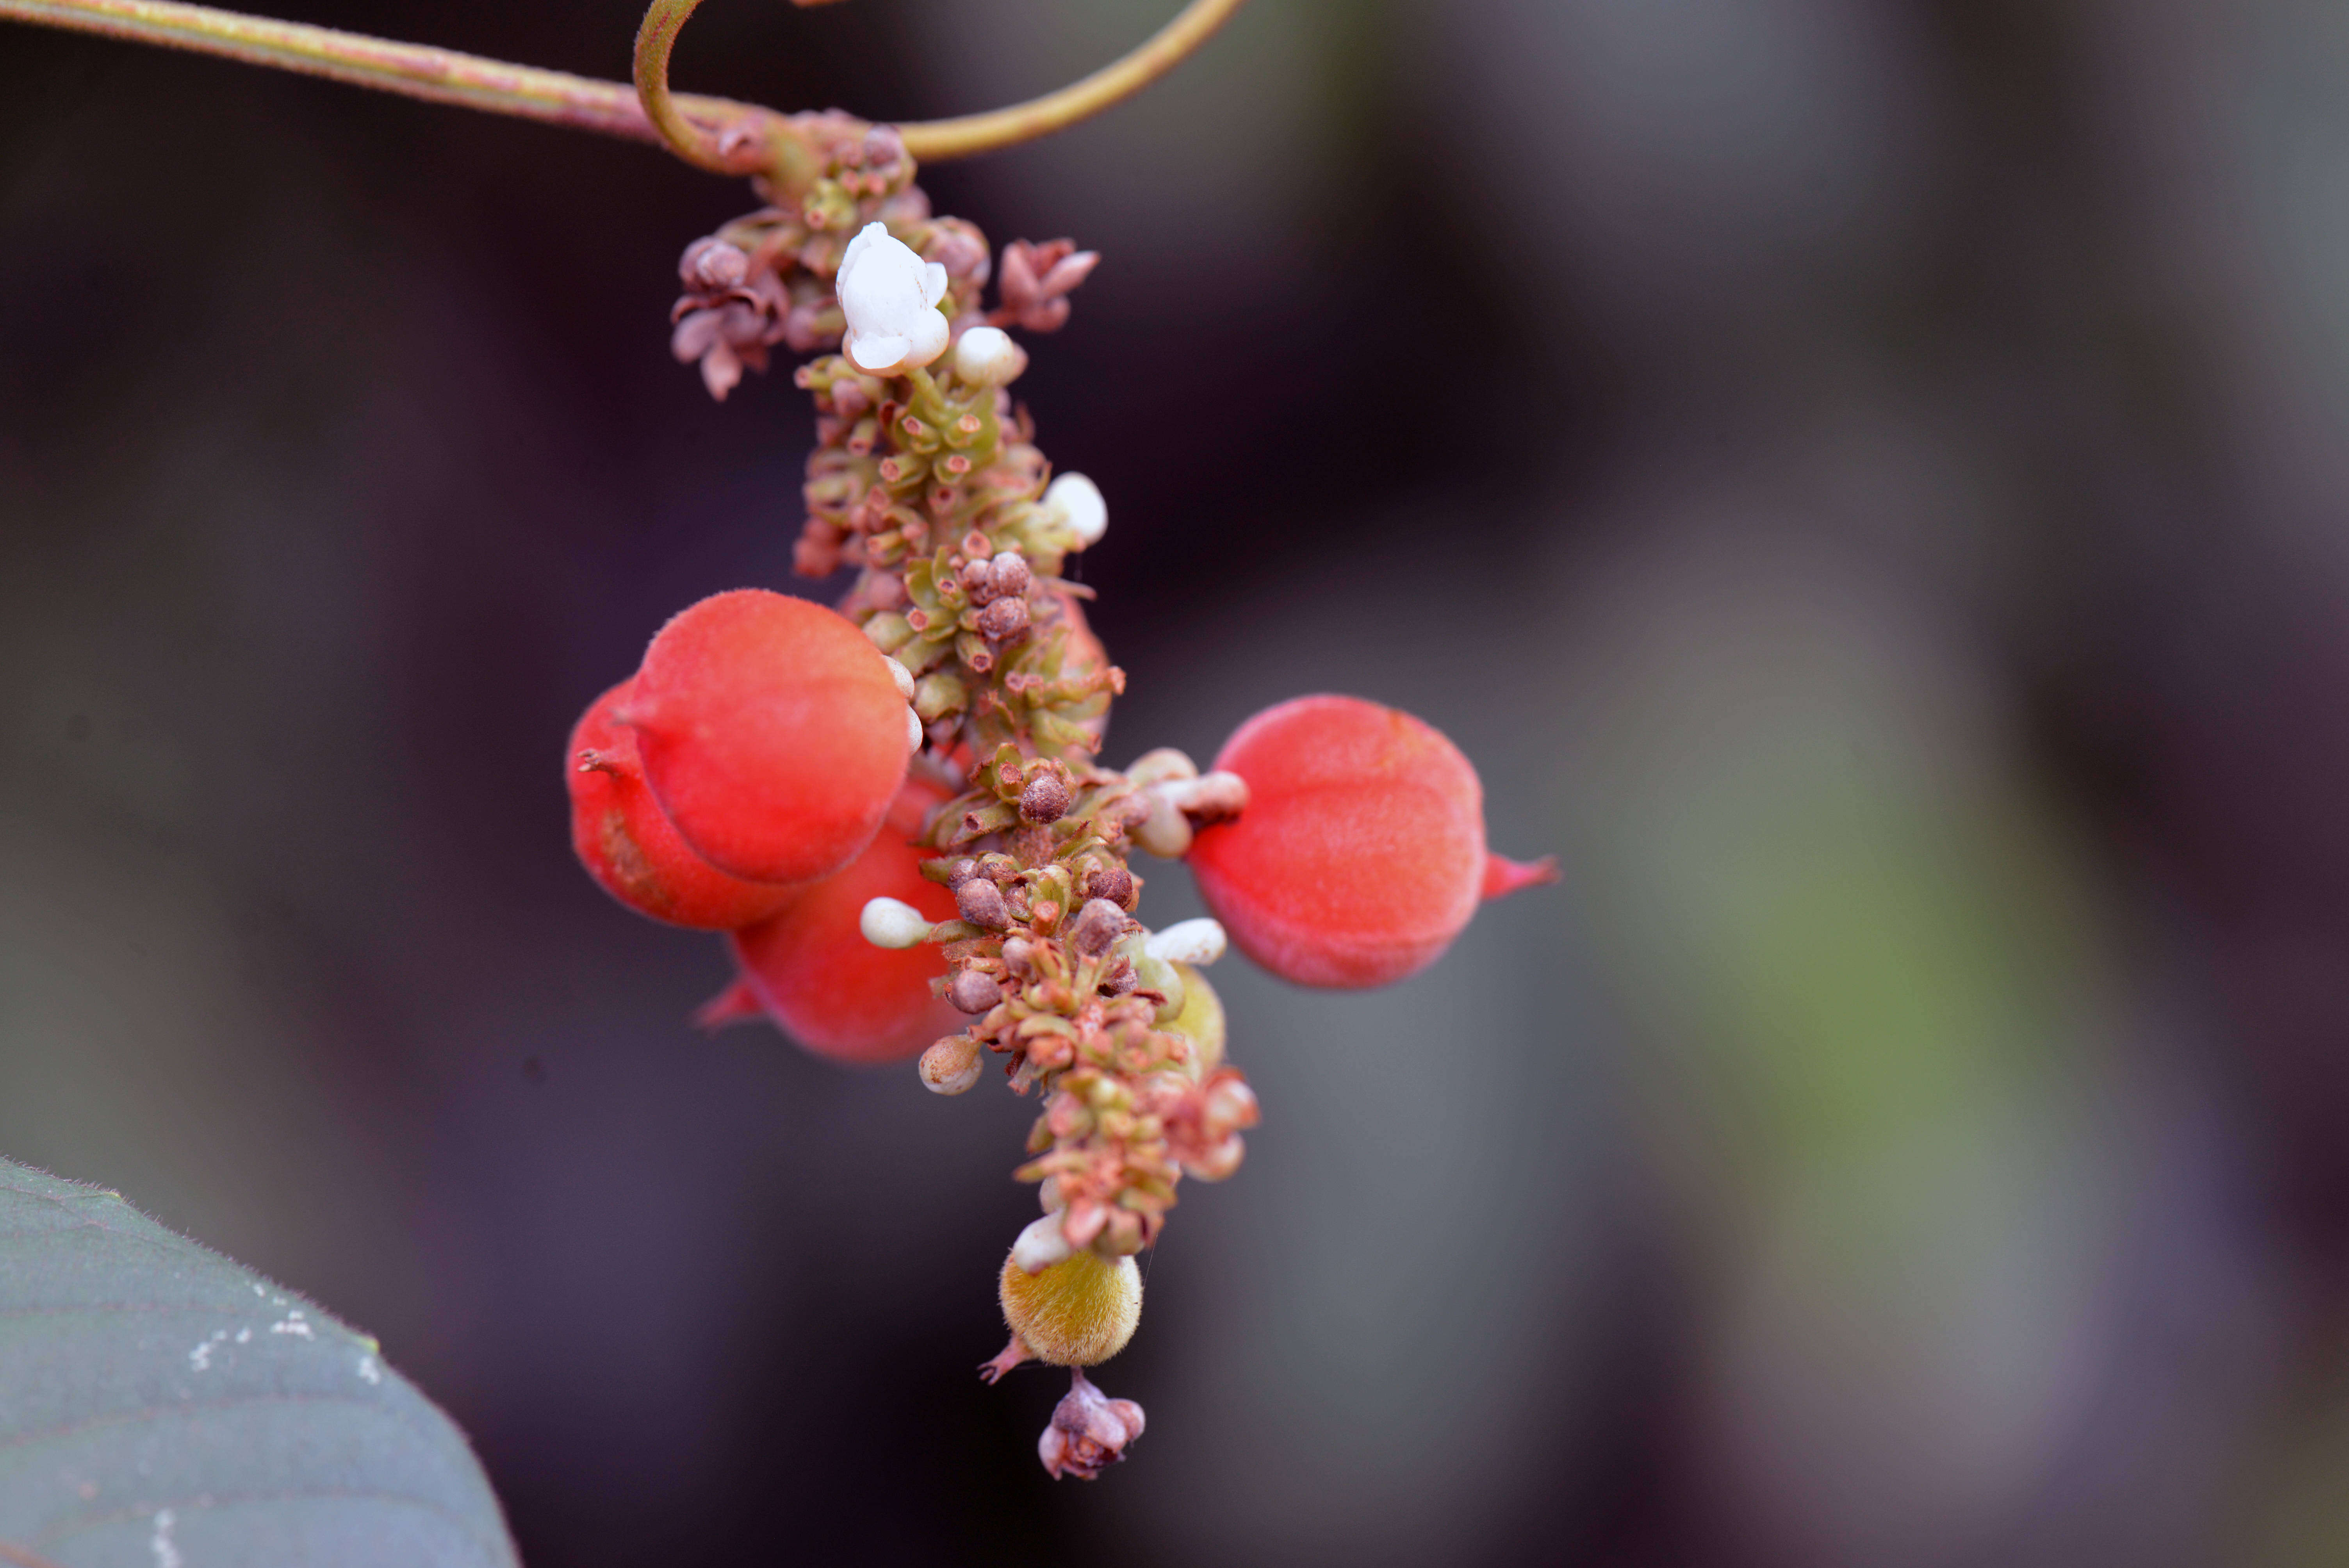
(1081, 510)
(886, 923)
(1040, 1245)
(985, 357)
(890, 297)
(1195, 942)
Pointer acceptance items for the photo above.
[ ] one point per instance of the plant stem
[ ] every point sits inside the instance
(711, 133)
(414, 70)
(936, 140)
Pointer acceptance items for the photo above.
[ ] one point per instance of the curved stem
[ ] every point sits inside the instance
(413, 70)
(931, 140)
(664, 20)
(934, 141)
(712, 133)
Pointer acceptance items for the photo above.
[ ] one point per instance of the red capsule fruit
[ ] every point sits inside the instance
(628, 846)
(811, 970)
(1362, 852)
(772, 733)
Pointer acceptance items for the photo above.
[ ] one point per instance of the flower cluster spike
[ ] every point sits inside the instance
(1003, 875)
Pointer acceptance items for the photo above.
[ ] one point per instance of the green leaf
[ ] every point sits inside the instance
(162, 1407)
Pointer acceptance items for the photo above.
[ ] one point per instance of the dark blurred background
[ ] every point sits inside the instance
(1865, 478)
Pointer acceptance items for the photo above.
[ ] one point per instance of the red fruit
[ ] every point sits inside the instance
(1362, 852)
(813, 972)
(628, 846)
(773, 734)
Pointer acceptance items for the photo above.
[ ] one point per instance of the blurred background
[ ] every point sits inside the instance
(1863, 479)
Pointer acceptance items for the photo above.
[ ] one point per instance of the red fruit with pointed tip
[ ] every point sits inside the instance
(812, 971)
(773, 734)
(628, 846)
(1362, 852)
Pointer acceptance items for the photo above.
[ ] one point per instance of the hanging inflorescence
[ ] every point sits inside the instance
(910, 830)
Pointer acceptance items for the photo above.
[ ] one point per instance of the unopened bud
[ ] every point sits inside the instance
(987, 356)
(1115, 883)
(1158, 766)
(913, 730)
(1098, 924)
(1200, 941)
(712, 263)
(1079, 504)
(1089, 1433)
(982, 904)
(1040, 1245)
(961, 872)
(1165, 832)
(1046, 800)
(1003, 620)
(1210, 798)
(1010, 574)
(888, 923)
(978, 581)
(1219, 1162)
(1019, 955)
(951, 1065)
(973, 992)
(1231, 1103)
(903, 676)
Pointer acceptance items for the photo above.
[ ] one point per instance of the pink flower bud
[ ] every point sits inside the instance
(1089, 1432)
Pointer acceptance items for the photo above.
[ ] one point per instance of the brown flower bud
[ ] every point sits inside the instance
(1046, 798)
(961, 872)
(979, 581)
(1098, 924)
(1115, 883)
(1003, 620)
(982, 904)
(972, 992)
(1020, 957)
(951, 1065)
(1010, 575)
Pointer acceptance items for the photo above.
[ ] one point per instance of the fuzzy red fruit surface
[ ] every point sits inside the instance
(773, 734)
(835, 993)
(628, 846)
(1362, 852)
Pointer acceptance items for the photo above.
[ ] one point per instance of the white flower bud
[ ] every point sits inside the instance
(1165, 763)
(1165, 832)
(913, 730)
(1078, 502)
(890, 297)
(1199, 942)
(886, 923)
(985, 357)
(1040, 1245)
(903, 678)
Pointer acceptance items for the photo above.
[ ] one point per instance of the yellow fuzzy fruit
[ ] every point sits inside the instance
(1201, 1021)
(1079, 1312)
